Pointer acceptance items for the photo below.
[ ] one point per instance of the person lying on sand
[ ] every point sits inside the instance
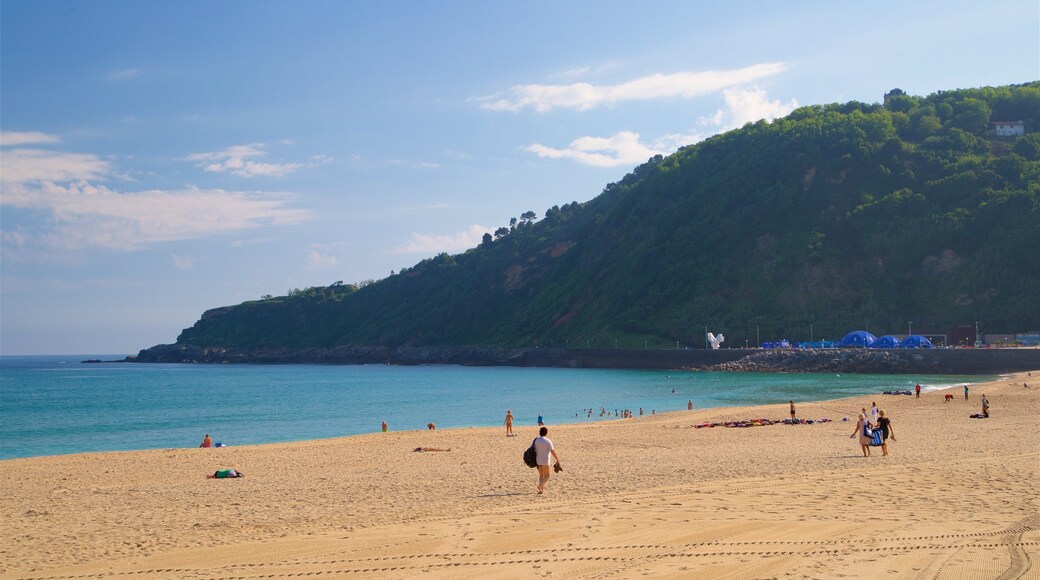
(428, 449)
(225, 474)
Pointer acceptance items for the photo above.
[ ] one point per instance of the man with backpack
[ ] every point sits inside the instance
(544, 448)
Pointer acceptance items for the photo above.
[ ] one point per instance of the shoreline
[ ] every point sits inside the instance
(649, 495)
(593, 420)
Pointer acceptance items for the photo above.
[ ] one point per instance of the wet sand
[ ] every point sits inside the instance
(956, 498)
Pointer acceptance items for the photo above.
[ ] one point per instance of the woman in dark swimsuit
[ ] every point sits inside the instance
(886, 431)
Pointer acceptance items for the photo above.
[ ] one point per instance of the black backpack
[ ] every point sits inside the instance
(531, 456)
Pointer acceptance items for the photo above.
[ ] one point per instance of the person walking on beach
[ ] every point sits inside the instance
(918, 390)
(873, 413)
(792, 410)
(866, 415)
(886, 431)
(862, 426)
(509, 423)
(544, 448)
(206, 441)
(965, 392)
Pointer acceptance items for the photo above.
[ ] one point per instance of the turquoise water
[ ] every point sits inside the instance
(54, 405)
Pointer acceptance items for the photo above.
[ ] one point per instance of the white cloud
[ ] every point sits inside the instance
(319, 261)
(623, 148)
(182, 263)
(83, 215)
(743, 105)
(584, 96)
(16, 138)
(79, 213)
(236, 160)
(432, 243)
(747, 105)
(36, 165)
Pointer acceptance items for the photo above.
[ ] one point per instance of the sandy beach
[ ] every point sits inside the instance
(650, 496)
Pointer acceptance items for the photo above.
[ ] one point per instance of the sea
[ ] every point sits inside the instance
(52, 405)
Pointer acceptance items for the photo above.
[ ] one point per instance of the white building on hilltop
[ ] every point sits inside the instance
(1009, 128)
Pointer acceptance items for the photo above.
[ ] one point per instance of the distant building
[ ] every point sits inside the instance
(1029, 338)
(963, 335)
(1009, 128)
(893, 93)
(999, 339)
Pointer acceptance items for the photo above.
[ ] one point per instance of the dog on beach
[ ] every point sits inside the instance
(949, 398)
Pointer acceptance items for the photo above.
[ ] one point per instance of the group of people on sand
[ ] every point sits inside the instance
(868, 422)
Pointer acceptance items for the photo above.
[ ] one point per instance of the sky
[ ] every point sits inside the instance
(158, 159)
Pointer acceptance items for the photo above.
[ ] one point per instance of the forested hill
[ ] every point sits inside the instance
(835, 218)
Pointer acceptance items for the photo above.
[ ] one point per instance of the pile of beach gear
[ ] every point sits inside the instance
(760, 423)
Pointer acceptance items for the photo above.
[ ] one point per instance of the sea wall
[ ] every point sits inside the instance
(902, 361)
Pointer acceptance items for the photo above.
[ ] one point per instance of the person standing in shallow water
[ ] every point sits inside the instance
(544, 448)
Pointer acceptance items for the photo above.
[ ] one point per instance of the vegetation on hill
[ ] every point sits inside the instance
(837, 217)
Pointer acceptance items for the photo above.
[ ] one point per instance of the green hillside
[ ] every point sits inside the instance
(839, 216)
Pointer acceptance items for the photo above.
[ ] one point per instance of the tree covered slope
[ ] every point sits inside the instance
(839, 216)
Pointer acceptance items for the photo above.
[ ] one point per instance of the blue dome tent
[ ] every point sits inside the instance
(858, 339)
(887, 341)
(915, 341)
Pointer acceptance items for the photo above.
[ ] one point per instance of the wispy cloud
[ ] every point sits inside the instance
(318, 261)
(27, 165)
(124, 74)
(182, 263)
(623, 148)
(743, 105)
(583, 96)
(93, 216)
(238, 160)
(83, 214)
(429, 243)
(19, 138)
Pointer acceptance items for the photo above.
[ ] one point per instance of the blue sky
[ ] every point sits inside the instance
(162, 158)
